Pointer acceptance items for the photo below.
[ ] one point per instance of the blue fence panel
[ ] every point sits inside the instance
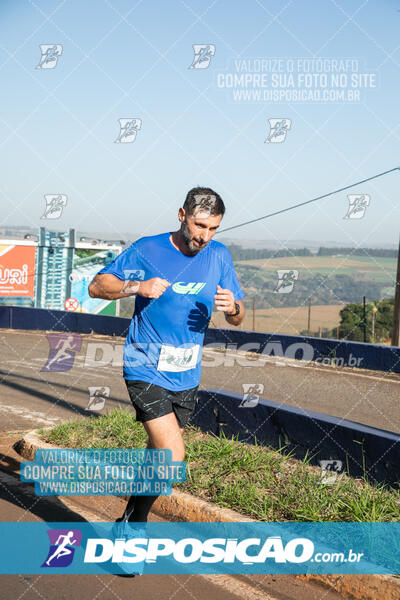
(303, 432)
(5, 314)
(60, 320)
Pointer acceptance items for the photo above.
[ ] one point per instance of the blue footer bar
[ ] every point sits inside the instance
(198, 548)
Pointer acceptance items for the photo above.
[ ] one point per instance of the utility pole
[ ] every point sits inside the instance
(374, 311)
(365, 318)
(39, 267)
(254, 314)
(396, 315)
(70, 262)
(309, 317)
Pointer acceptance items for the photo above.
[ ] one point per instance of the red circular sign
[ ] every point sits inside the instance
(71, 304)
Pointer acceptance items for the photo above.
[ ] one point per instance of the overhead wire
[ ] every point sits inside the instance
(278, 212)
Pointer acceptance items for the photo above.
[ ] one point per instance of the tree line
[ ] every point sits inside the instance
(240, 253)
(377, 252)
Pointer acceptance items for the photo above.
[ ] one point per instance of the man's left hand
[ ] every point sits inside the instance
(224, 300)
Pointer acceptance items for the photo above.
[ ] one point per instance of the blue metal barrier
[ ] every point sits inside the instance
(15, 317)
(304, 432)
(324, 350)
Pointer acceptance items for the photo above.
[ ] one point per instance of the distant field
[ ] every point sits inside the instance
(311, 262)
(290, 320)
(378, 269)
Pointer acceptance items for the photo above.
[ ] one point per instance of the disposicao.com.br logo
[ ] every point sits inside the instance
(201, 548)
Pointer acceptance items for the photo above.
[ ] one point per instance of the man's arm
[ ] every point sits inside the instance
(225, 301)
(109, 287)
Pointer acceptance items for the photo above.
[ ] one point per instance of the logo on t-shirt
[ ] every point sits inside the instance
(188, 288)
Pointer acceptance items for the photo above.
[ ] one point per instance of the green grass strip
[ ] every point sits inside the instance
(257, 481)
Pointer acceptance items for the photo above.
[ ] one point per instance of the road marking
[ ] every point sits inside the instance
(30, 415)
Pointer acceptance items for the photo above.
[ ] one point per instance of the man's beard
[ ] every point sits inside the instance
(188, 239)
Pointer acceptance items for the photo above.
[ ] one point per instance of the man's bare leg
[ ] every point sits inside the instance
(164, 433)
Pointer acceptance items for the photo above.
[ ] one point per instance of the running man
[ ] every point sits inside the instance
(183, 274)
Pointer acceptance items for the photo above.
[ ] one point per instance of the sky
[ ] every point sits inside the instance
(201, 122)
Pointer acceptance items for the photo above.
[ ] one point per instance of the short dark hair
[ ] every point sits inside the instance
(204, 198)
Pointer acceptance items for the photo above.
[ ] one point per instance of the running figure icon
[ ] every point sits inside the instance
(62, 346)
(62, 350)
(62, 549)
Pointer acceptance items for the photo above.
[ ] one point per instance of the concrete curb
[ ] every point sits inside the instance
(185, 507)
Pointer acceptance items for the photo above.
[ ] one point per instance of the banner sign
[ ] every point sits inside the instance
(84, 269)
(200, 548)
(17, 271)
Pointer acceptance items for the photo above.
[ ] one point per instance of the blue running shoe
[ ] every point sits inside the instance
(126, 530)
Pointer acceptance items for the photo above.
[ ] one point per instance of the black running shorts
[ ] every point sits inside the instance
(151, 401)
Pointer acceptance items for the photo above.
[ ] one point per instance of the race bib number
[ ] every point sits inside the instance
(177, 359)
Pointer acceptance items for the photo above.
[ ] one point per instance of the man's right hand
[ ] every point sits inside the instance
(153, 288)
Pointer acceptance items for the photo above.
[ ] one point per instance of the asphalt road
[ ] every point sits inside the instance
(30, 395)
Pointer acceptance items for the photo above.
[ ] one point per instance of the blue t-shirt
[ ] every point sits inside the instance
(166, 334)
